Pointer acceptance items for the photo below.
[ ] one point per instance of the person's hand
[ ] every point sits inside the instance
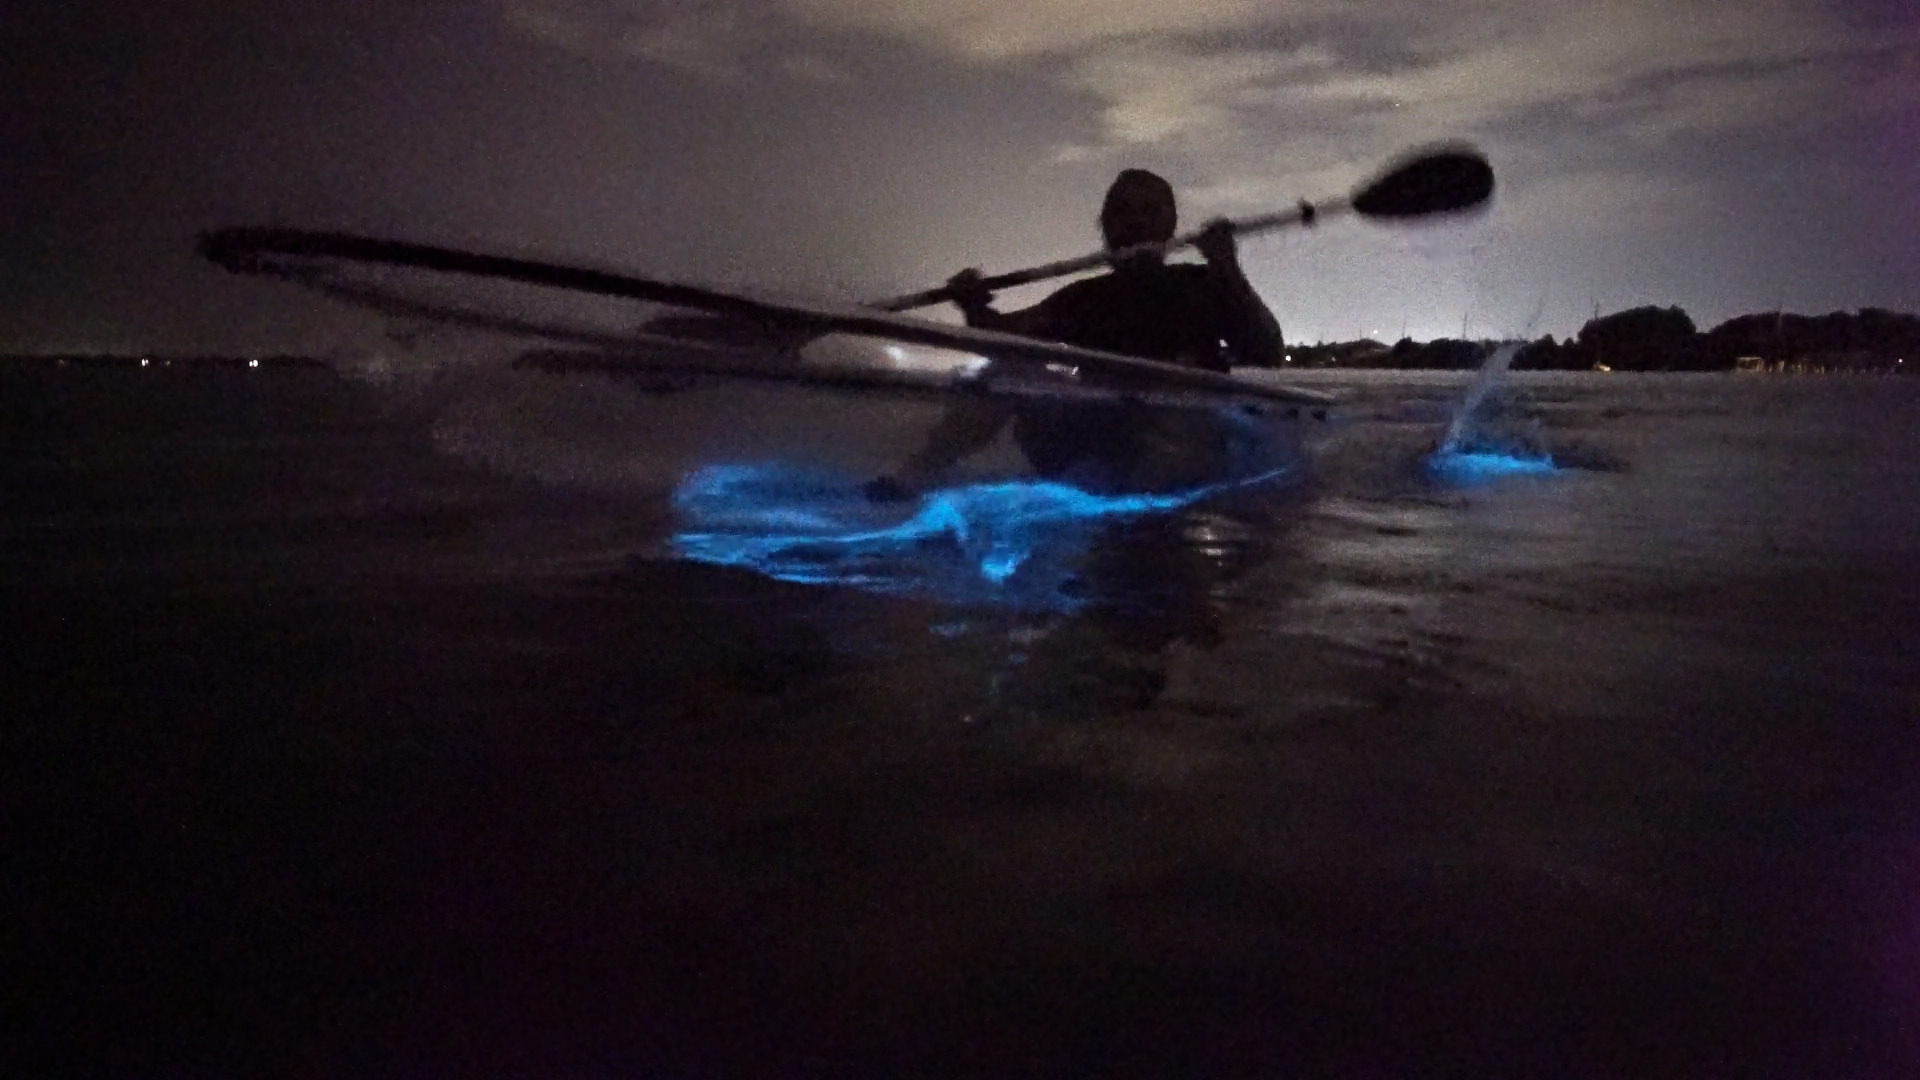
(1216, 243)
(969, 291)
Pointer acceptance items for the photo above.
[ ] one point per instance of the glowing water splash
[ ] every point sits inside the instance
(1014, 543)
(1480, 466)
(1467, 456)
(1484, 380)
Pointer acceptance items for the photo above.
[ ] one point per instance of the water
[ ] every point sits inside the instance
(1483, 383)
(1014, 542)
(366, 729)
(1478, 447)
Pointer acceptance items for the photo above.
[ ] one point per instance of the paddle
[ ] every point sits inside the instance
(1427, 183)
(1436, 181)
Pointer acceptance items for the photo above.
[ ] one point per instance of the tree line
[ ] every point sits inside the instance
(1665, 339)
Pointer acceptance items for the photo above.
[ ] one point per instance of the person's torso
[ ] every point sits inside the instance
(1169, 313)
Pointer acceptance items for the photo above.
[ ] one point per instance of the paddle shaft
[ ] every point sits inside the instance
(1304, 214)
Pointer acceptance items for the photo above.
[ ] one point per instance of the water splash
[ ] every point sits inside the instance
(1462, 469)
(1484, 381)
(1469, 454)
(1008, 543)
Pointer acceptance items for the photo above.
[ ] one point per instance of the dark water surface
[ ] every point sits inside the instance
(357, 729)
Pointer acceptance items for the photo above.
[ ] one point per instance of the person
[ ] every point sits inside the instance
(1203, 315)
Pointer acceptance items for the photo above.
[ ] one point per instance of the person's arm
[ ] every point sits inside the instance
(1251, 332)
(976, 305)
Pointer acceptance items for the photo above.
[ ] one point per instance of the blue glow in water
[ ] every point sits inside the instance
(1468, 467)
(1006, 543)
(1468, 456)
(1000, 565)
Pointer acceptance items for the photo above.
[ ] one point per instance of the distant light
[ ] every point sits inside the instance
(253, 363)
(143, 361)
(1289, 358)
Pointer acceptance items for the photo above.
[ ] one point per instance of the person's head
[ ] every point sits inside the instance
(1139, 209)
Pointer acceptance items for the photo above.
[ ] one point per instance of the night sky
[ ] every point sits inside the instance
(1726, 157)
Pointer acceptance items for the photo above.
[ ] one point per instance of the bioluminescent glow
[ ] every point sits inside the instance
(1464, 468)
(1007, 543)
(1467, 456)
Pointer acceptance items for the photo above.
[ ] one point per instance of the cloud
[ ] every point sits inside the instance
(1631, 76)
(704, 40)
(1307, 90)
(1153, 91)
(701, 41)
(1001, 30)
(551, 24)
(1158, 69)
(813, 68)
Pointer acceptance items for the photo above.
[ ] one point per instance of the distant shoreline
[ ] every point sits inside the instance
(153, 362)
(137, 361)
(1869, 341)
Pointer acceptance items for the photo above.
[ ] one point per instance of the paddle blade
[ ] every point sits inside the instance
(1438, 181)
